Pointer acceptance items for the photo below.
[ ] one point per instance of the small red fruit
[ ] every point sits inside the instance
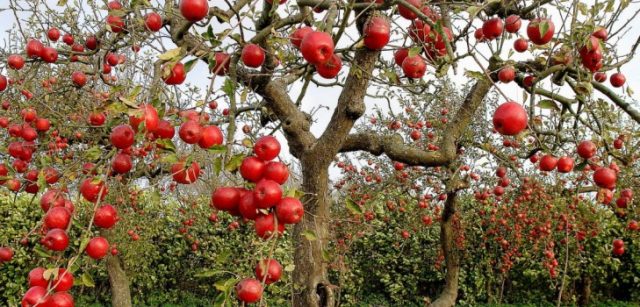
(252, 55)
(97, 248)
(510, 118)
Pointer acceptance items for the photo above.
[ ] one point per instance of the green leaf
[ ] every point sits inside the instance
(225, 285)
(189, 65)
(353, 207)
(220, 300)
(169, 159)
(171, 54)
(548, 104)
(309, 235)
(234, 163)
(581, 166)
(50, 274)
(584, 88)
(290, 267)
(42, 253)
(92, 153)
(414, 51)
(223, 256)
(206, 273)
(117, 107)
(87, 281)
(62, 2)
(217, 149)
(84, 243)
(543, 27)
(217, 165)
(166, 144)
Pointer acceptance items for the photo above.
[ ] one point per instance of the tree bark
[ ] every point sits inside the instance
(310, 275)
(120, 293)
(584, 290)
(447, 242)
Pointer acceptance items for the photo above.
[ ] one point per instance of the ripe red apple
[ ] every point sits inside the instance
(479, 35)
(317, 47)
(406, 12)
(492, 28)
(174, 75)
(267, 193)
(330, 68)
(289, 210)
(6, 254)
(247, 206)
(520, 45)
(147, 114)
(122, 163)
(265, 225)
(194, 10)
(540, 31)
(105, 217)
(57, 217)
(510, 118)
(548, 163)
(79, 78)
(377, 33)
(91, 190)
(565, 164)
(56, 240)
(586, 149)
(513, 23)
(53, 34)
(267, 148)
(15, 61)
(153, 21)
(97, 248)
(34, 48)
(63, 282)
(507, 74)
(91, 43)
(501, 172)
(249, 290)
(115, 23)
(601, 33)
(165, 130)
(600, 77)
(414, 66)
(68, 39)
(252, 55)
(122, 136)
(605, 177)
(223, 60)
(299, 34)
(185, 175)
(617, 79)
(225, 198)
(60, 299)
(400, 55)
(35, 296)
(190, 132)
(276, 171)
(252, 169)
(271, 267)
(211, 136)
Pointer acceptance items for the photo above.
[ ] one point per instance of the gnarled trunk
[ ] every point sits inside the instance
(120, 293)
(584, 290)
(447, 242)
(312, 287)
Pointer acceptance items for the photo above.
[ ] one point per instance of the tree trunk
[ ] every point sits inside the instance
(312, 287)
(584, 290)
(120, 293)
(447, 242)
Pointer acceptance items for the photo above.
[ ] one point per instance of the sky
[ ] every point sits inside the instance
(327, 97)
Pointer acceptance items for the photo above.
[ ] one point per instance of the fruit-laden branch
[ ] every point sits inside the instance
(295, 123)
(394, 147)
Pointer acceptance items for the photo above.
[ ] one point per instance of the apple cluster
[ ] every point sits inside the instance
(264, 204)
